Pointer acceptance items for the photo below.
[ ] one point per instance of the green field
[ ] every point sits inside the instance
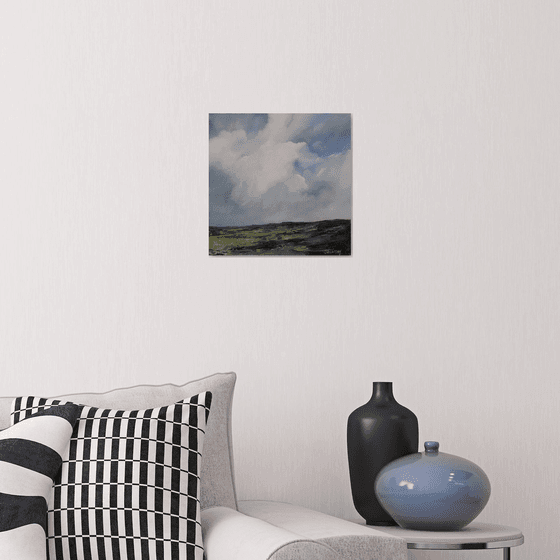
(326, 237)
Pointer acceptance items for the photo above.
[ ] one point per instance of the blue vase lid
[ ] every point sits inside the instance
(431, 446)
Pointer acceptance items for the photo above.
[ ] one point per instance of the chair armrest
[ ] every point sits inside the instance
(350, 541)
(231, 535)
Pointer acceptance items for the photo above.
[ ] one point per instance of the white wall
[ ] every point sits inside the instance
(452, 291)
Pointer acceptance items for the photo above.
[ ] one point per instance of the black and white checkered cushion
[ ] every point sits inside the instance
(130, 486)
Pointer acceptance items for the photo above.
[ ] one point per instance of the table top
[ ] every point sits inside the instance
(473, 536)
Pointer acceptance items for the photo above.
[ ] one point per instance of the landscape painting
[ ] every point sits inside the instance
(280, 184)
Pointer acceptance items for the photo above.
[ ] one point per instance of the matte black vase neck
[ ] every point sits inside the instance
(382, 392)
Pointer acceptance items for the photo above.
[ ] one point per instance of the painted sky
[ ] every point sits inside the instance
(271, 168)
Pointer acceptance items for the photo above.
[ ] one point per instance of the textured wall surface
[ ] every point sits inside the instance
(452, 291)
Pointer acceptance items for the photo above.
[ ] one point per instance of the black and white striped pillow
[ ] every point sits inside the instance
(30, 457)
(130, 486)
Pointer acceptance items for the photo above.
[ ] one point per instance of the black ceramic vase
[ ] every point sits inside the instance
(378, 432)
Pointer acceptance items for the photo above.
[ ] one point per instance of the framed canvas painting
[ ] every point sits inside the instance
(280, 184)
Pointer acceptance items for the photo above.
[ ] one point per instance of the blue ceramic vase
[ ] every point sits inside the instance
(432, 491)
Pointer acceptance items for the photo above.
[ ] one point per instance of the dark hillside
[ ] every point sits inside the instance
(327, 237)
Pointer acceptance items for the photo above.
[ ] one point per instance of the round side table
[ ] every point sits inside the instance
(475, 536)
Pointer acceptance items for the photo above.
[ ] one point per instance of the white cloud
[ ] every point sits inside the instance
(279, 179)
(259, 165)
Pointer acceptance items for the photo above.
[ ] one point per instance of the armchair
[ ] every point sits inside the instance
(231, 529)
